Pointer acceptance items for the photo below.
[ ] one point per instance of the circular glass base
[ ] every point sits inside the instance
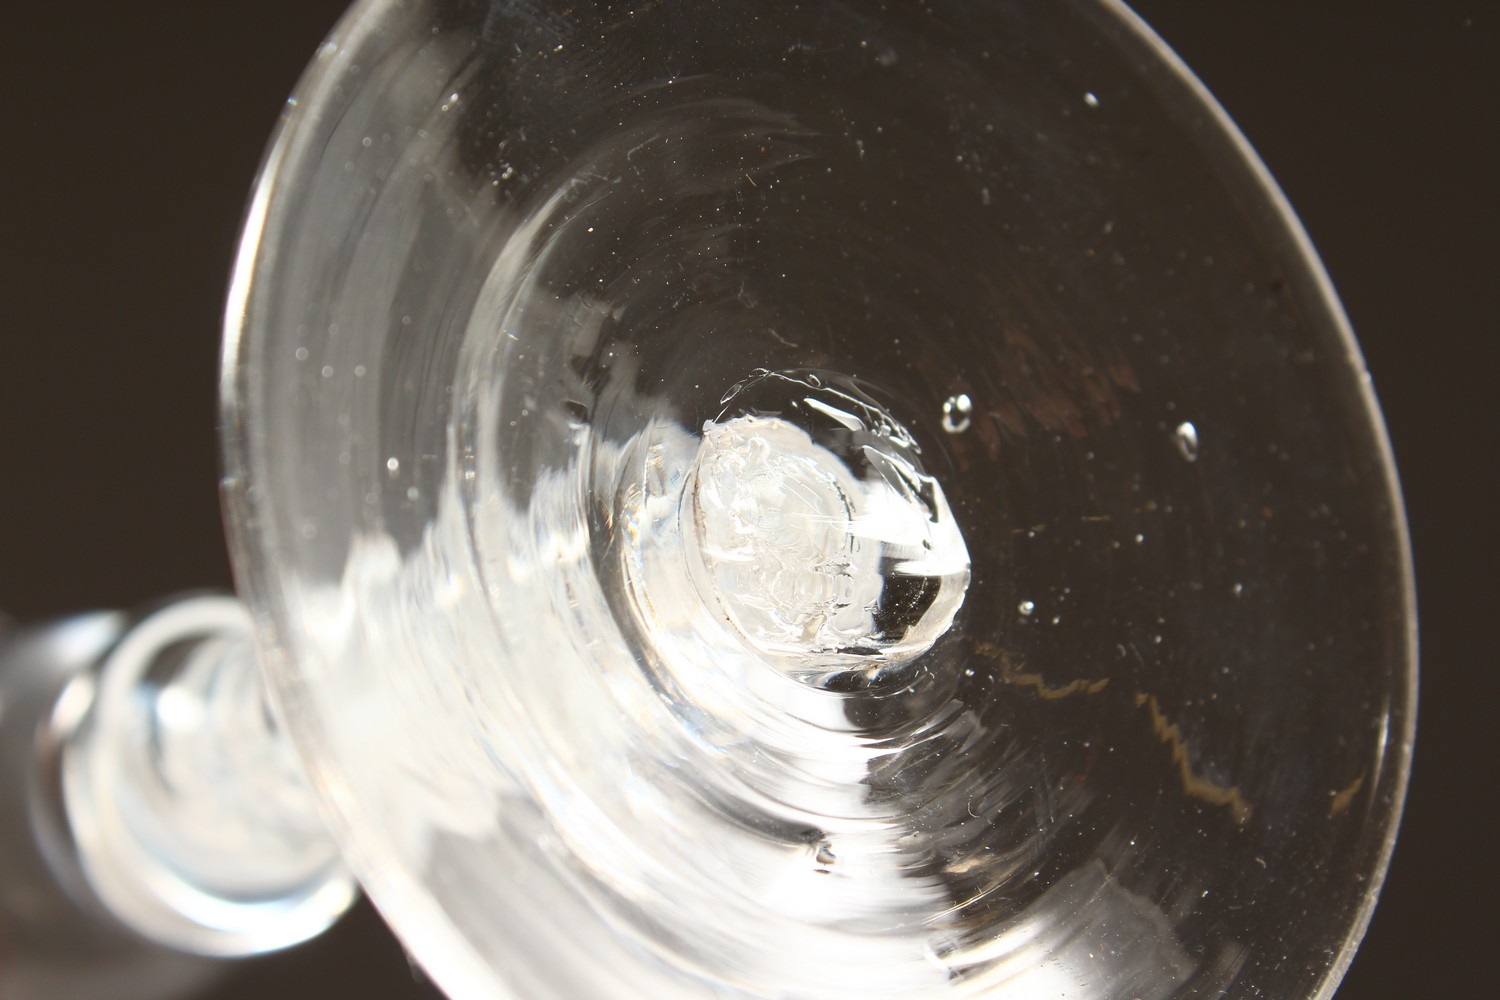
(812, 503)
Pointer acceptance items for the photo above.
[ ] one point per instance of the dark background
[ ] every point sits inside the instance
(132, 132)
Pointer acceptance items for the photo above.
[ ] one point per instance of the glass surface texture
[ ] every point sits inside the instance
(754, 500)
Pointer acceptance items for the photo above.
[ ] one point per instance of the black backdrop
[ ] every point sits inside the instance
(132, 132)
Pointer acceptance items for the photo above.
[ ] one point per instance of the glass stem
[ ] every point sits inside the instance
(159, 806)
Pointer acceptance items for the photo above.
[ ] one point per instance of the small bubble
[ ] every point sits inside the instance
(1091, 100)
(301, 354)
(359, 371)
(1026, 607)
(393, 465)
(412, 493)
(956, 413)
(1186, 436)
(328, 371)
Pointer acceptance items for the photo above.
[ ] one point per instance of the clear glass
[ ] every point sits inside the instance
(752, 500)
(193, 819)
(153, 814)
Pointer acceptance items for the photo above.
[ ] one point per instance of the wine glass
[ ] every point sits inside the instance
(815, 503)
